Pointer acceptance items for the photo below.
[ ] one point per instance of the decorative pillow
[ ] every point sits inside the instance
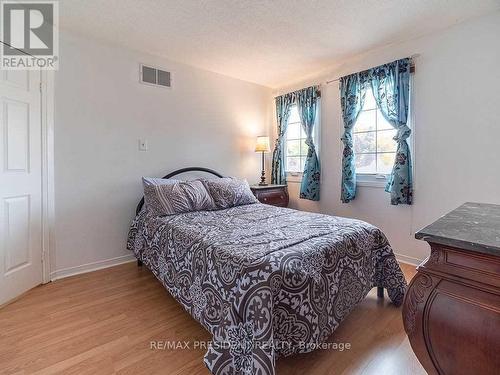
(229, 192)
(176, 197)
(158, 181)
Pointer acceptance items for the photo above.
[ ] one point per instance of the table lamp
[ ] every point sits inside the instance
(262, 145)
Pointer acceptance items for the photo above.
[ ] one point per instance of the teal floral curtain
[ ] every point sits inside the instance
(307, 105)
(352, 98)
(391, 88)
(283, 104)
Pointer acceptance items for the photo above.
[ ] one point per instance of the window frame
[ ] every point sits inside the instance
(294, 176)
(378, 180)
(377, 177)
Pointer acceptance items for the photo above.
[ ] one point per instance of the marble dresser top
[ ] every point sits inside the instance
(472, 226)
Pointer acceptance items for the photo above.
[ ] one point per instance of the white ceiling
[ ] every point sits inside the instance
(270, 42)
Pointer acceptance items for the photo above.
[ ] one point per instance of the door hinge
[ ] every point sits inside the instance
(40, 86)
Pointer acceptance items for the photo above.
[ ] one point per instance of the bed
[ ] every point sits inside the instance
(266, 282)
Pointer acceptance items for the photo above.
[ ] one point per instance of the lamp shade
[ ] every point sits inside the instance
(262, 144)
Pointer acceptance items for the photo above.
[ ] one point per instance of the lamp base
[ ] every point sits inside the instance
(263, 173)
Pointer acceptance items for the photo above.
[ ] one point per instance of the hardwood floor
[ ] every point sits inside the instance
(103, 322)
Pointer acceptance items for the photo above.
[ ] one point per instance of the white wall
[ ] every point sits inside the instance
(206, 119)
(456, 132)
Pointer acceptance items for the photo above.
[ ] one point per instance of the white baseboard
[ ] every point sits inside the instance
(89, 267)
(408, 260)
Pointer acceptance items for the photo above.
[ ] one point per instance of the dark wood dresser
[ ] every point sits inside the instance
(451, 311)
(275, 195)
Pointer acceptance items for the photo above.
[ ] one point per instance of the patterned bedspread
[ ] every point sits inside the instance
(265, 281)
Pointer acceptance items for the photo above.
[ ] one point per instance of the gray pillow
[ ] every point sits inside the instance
(158, 181)
(229, 192)
(176, 197)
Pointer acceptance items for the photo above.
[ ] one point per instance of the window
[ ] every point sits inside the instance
(374, 146)
(295, 143)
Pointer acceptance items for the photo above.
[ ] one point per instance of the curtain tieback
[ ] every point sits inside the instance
(402, 134)
(347, 141)
(311, 150)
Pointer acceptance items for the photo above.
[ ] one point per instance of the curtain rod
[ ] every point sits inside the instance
(412, 70)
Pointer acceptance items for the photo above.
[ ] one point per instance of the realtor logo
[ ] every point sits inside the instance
(29, 35)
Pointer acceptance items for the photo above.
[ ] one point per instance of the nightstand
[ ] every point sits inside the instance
(275, 195)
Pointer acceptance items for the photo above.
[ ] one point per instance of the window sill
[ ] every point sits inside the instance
(370, 180)
(294, 177)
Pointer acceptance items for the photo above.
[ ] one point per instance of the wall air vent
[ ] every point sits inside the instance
(155, 76)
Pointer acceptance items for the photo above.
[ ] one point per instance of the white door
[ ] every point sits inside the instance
(20, 183)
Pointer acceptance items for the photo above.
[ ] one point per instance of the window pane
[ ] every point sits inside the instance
(303, 147)
(366, 121)
(302, 132)
(293, 164)
(302, 163)
(365, 163)
(385, 141)
(382, 123)
(294, 115)
(293, 148)
(385, 162)
(293, 131)
(364, 142)
(369, 99)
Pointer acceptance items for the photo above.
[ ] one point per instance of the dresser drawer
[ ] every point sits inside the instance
(275, 196)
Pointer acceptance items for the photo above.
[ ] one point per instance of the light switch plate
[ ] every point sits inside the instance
(143, 145)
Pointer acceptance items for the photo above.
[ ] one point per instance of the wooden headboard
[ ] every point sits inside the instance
(175, 173)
